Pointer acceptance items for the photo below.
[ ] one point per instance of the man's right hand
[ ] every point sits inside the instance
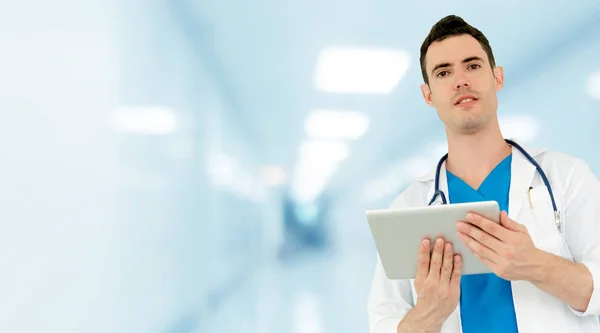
(438, 287)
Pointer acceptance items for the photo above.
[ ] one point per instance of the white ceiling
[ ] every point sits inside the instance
(266, 52)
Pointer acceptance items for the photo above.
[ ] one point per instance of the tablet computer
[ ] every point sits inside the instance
(398, 234)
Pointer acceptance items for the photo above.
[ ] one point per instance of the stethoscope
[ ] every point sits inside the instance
(437, 192)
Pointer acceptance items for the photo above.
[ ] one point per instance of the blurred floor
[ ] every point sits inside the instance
(314, 292)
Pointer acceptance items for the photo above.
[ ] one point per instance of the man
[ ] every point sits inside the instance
(545, 279)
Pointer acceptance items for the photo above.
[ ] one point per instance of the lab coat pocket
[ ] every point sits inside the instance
(542, 226)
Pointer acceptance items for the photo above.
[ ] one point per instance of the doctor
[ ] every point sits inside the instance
(546, 266)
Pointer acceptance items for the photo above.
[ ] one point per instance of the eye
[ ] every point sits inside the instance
(442, 73)
(474, 66)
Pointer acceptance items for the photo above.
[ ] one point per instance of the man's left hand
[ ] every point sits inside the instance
(506, 248)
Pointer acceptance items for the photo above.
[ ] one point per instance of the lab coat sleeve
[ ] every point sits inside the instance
(389, 300)
(582, 227)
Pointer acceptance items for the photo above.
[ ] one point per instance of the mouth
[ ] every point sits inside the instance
(465, 100)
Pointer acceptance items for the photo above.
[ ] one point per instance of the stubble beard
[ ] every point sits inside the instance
(470, 124)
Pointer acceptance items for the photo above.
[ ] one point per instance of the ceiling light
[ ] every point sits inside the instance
(360, 70)
(145, 120)
(593, 85)
(336, 124)
(310, 179)
(318, 160)
(222, 169)
(272, 175)
(323, 151)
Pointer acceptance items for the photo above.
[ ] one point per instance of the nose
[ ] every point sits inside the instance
(462, 83)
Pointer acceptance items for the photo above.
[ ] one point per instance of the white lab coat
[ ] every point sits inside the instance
(577, 195)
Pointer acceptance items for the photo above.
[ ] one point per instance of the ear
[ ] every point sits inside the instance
(426, 91)
(499, 77)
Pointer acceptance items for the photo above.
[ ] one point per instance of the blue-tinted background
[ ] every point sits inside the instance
(160, 171)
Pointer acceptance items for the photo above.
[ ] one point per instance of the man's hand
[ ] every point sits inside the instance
(509, 251)
(438, 287)
(506, 248)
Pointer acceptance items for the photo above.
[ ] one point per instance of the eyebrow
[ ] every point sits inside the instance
(447, 64)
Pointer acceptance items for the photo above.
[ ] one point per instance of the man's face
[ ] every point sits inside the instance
(462, 86)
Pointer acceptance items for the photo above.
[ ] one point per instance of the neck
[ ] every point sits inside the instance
(472, 157)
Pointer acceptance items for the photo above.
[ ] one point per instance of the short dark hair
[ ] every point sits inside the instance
(450, 26)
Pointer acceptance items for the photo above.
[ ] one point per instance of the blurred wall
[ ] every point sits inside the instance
(113, 225)
(553, 88)
(58, 81)
(196, 213)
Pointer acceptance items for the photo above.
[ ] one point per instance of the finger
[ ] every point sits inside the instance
(480, 235)
(423, 260)
(436, 259)
(447, 264)
(489, 226)
(478, 249)
(509, 223)
(456, 271)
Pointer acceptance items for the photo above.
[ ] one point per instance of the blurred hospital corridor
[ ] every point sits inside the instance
(316, 293)
(192, 166)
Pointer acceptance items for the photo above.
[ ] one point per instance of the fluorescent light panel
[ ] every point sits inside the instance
(318, 161)
(593, 86)
(272, 175)
(222, 169)
(323, 151)
(154, 120)
(336, 124)
(360, 70)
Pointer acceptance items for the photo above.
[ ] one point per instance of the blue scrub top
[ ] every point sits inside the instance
(486, 300)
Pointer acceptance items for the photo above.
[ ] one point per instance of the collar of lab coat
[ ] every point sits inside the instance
(522, 173)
